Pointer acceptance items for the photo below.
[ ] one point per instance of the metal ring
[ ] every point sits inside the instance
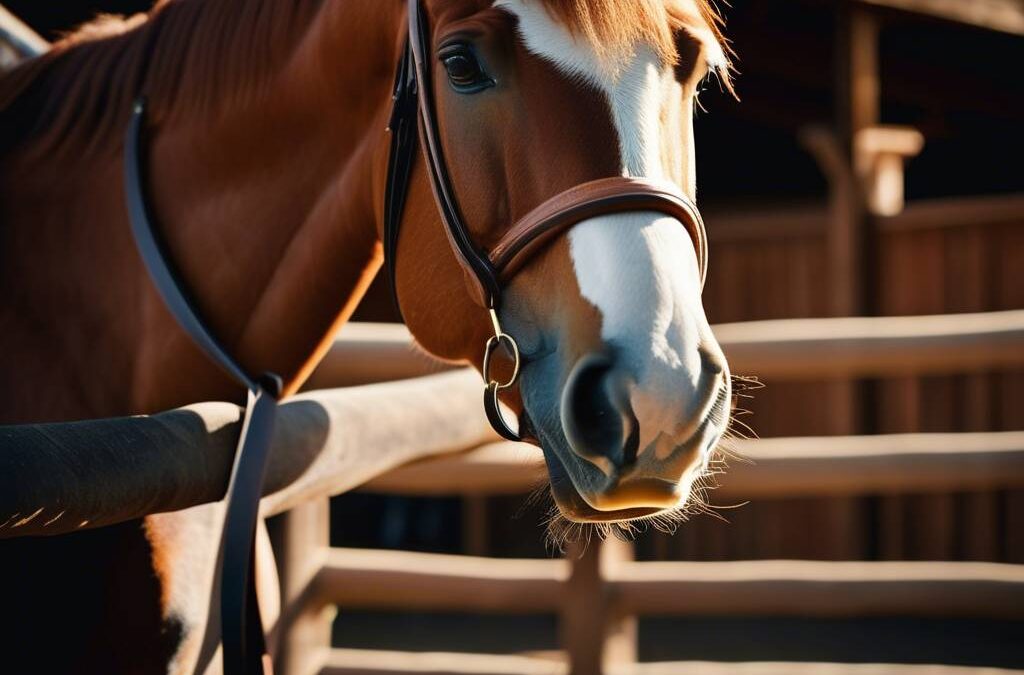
(492, 344)
(494, 415)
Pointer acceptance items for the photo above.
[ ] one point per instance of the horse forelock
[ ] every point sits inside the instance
(183, 55)
(615, 27)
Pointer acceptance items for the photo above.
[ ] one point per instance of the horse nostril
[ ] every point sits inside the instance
(596, 414)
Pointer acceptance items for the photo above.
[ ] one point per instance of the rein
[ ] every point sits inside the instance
(413, 121)
(241, 625)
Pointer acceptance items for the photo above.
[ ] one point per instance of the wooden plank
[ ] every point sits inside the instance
(594, 631)
(304, 631)
(1005, 16)
(420, 581)
(774, 468)
(805, 668)
(379, 662)
(424, 581)
(796, 349)
(804, 588)
(24, 41)
(58, 478)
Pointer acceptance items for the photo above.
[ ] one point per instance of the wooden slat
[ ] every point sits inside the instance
(777, 467)
(1006, 16)
(808, 222)
(785, 349)
(424, 581)
(803, 668)
(411, 581)
(25, 41)
(379, 662)
(372, 352)
(823, 589)
(794, 349)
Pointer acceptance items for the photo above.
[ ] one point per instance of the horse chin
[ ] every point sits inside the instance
(613, 506)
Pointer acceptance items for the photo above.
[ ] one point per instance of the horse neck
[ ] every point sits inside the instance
(270, 210)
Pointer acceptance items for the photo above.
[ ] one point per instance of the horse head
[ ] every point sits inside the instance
(622, 382)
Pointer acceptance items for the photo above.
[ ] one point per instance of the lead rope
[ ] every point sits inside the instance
(241, 625)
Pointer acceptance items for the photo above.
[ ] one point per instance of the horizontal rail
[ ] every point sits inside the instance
(798, 349)
(25, 41)
(410, 581)
(777, 467)
(811, 221)
(805, 588)
(784, 349)
(1006, 16)
(61, 477)
(380, 662)
(424, 581)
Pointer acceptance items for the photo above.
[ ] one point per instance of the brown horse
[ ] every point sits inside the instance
(266, 169)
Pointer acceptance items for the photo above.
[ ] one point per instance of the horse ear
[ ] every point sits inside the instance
(688, 48)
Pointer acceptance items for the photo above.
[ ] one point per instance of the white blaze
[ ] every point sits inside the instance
(638, 269)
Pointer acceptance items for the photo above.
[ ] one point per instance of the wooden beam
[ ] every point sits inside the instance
(431, 581)
(809, 222)
(782, 349)
(24, 41)
(842, 347)
(426, 581)
(804, 588)
(58, 478)
(825, 466)
(1005, 16)
(807, 668)
(379, 662)
(593, 629)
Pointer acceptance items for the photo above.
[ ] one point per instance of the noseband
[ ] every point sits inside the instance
(487, 272)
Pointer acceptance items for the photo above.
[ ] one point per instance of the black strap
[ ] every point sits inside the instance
(402, 126)
(440, 181)
(241, 624)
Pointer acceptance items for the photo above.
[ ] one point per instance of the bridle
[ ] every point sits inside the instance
(412, 119)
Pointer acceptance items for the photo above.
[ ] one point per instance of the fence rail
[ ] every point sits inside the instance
(793, 467)
(597, 593)
(799, 588)
(784, 349)
(378, 662)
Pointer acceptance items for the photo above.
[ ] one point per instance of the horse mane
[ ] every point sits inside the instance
(185, 54)
(202, 54)
(613, 26)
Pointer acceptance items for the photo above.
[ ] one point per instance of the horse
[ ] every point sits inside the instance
(267, 160)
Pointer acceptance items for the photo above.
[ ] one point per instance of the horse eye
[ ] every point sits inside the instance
(464, 71)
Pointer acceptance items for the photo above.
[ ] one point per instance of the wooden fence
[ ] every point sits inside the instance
(599, 591)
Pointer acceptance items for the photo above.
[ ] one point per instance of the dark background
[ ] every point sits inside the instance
(960, 86)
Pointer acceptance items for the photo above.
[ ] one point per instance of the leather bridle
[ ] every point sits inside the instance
(412, 119)
(488, 272)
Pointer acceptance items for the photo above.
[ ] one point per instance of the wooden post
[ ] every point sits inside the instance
(304, 630)
(594, 630)
(474, 524)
